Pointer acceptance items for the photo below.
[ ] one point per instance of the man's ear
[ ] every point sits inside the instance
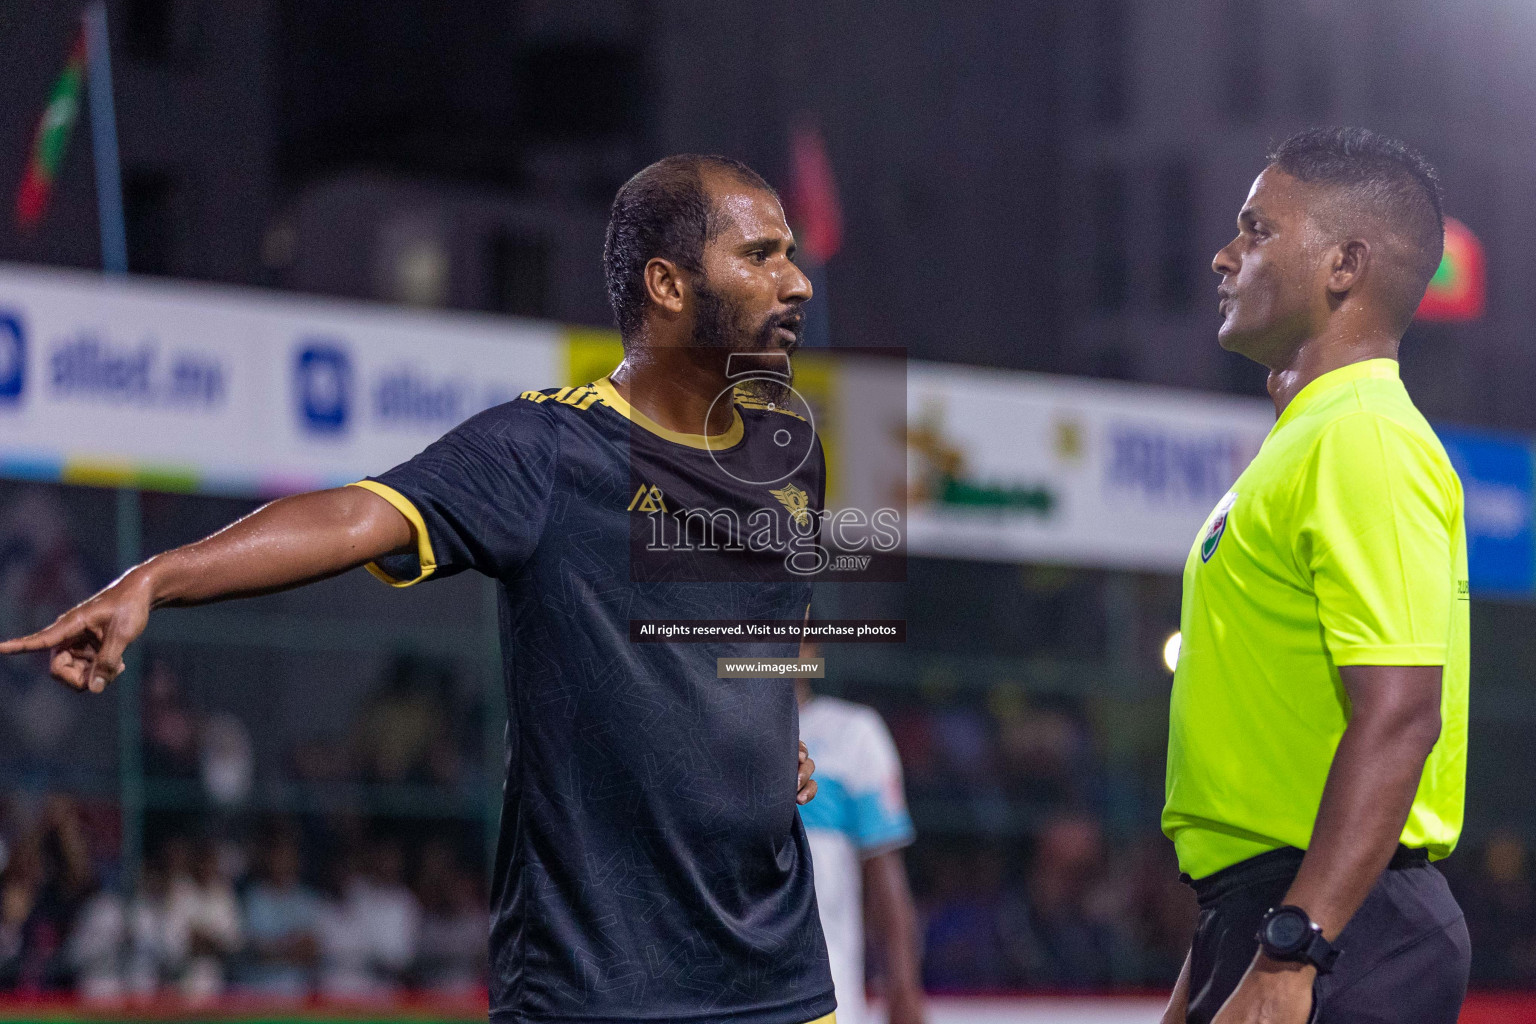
(1349, 260)
(666, 285)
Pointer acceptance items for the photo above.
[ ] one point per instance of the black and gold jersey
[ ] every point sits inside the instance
(651, 864)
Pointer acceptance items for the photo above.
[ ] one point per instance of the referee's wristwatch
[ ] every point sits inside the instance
(1287, 933)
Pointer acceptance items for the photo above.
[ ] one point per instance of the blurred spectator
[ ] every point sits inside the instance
(451, 949)
(170, 726)
(202, 919)
(1044, 753)
(147, 960)
(1499, 902)
(912, 729)
(96, 948)
(403, 733)
(963, 945)
(1155, 911)
(46, 882)
(282, 921)
(42, 573)
(228, 761)
(1054, 937)
(965, 744)
(367, 938)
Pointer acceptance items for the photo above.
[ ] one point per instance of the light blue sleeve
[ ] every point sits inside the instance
(877, 810)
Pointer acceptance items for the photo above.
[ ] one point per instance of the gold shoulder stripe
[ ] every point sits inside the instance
(751, 402)
(424, 553)
(581, 397)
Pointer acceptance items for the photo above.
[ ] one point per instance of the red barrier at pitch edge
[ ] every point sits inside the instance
(1481, 1008)
(1499, 1008)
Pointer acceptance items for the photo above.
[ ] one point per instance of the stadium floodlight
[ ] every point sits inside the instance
(1171, 650)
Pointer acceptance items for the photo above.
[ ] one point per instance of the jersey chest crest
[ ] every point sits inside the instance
(1217, 528)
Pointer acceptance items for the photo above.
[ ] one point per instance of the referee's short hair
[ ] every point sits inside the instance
(663, 211)
(1381, 180)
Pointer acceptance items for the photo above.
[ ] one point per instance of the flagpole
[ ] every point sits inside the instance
(114, 260)
(109, 182)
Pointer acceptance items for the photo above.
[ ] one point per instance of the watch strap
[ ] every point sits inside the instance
(1320, 953)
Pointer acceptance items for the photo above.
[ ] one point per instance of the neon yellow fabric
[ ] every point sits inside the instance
(1342, 543)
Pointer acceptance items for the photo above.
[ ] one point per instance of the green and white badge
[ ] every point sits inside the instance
(1218, 527)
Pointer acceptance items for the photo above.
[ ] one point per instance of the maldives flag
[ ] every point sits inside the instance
(1459, 289)
(51, 139)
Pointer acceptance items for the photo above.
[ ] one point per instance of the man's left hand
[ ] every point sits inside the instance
(1270, 993)
(807, 785)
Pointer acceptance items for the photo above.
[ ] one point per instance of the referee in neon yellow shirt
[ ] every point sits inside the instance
(1318, 737)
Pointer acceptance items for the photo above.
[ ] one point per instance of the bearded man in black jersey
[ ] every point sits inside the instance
(651, 865)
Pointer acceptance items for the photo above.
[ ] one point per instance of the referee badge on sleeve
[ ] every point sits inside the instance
(1213, 533)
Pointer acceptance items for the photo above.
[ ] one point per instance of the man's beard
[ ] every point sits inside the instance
(719, 323)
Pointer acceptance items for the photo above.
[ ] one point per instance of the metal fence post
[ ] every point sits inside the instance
(130, 770)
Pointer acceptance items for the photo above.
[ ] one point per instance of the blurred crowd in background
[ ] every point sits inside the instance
(340, 851)
(358, 914)
(344, 906)
(314, 821)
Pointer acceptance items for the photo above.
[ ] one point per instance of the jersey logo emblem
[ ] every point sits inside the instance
(647, 499)
(796, 501)
(1218, 527)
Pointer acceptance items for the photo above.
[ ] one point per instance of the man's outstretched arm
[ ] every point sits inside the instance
(290, 542)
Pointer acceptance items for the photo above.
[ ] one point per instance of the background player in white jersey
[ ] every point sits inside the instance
(858, 825)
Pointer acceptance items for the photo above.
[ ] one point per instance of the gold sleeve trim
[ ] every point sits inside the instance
(424, 552)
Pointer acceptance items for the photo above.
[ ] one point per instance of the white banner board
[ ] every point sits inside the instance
(211, 389)
(234, 391)
(1025, 467)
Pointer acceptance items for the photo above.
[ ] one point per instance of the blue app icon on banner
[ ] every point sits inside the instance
(322, 382)
(13, 358)
(1497, 479)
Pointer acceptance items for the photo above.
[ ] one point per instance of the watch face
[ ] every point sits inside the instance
(1286, 931)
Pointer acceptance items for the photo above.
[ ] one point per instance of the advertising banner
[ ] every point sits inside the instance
(185, 387)
(195, 388)
(1024, 467)
(1496, 479)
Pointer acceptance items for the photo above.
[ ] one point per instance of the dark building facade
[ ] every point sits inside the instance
(1037, 185)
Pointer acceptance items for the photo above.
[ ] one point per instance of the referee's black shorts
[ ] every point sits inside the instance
(1403, 958)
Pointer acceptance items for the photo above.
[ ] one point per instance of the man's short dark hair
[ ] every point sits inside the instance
(663, 211)
(1380, 178)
